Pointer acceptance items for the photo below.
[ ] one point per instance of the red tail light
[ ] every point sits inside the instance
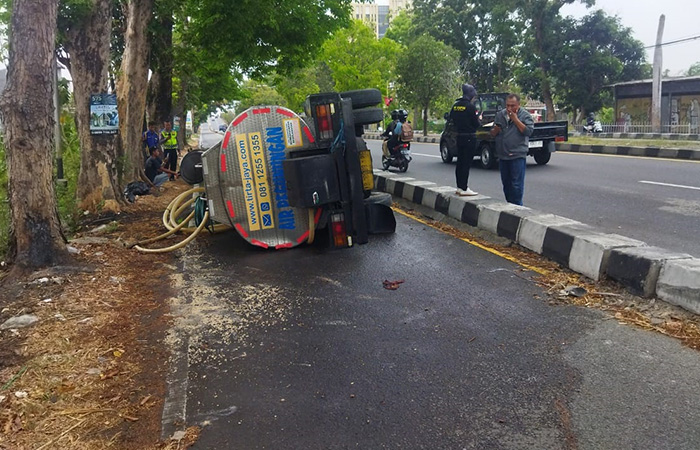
(324, 121)
(340, 235)
(559, 139)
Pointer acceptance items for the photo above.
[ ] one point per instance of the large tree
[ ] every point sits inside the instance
(358, 60)
(133, 84)
(27, 114)
(541, 45)
(427, 70)
(598, 50)
(85, 32)
(486, 34)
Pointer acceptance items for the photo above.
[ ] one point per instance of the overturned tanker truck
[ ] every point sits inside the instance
(281, 179)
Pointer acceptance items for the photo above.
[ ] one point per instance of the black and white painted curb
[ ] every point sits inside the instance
(642, 269)
(650, 152)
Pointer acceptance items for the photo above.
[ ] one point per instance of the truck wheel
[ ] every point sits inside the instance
(542, 156)
(445, 152)
(367, 116)
(488, 156)
(380, 198)
(363, 98)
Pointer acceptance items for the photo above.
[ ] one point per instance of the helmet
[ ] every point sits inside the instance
(591, 115)
(402, 115)
(468, 91)
(395, 114)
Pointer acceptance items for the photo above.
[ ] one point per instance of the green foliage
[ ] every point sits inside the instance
(357, 60)
(296, 86)
(597, 51)
(606, 114)
(402, 29)
(428, 70)
(258, 93)
(67, 203)
(486, 34)
(693, 70)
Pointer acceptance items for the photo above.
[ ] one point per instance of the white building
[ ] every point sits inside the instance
(378, 16)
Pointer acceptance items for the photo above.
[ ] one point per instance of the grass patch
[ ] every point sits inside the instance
(660, 143)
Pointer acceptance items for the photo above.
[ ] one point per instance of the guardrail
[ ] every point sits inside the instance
(643, 128)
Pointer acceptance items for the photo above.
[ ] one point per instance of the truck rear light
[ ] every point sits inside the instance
(559, 139)
(324, 121)
(338, 230)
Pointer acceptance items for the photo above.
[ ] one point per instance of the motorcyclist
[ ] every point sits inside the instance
(395, 138)
(389, 132)
(590, 121)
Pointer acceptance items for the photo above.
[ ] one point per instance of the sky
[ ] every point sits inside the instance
(642, 16)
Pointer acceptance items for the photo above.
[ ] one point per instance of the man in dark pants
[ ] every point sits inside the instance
(512, 128)
(466, 121)
(168, 139)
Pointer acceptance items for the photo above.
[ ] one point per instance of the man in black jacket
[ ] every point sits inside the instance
(466, 121)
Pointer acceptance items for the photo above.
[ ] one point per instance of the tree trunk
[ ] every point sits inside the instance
(27, 112)
(160, 87)
(545, 85)
(88, 46)
(132, 86)
(425, 120)
(180, 111)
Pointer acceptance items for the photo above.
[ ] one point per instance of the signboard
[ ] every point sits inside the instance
(176, 123)
(188, 122)
(104, 118)
(245, 181)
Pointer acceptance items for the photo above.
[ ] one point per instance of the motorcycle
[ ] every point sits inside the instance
(400, 157)
(593, 127)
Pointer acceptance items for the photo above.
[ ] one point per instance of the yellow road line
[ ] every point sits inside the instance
(478, 244)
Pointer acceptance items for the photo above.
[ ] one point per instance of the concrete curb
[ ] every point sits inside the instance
(644, 270)
(650, 152)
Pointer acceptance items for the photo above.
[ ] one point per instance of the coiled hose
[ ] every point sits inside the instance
(176, 207)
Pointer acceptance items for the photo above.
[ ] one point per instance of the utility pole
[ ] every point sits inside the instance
(656, 83)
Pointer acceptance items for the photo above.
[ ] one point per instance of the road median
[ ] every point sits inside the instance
(644, 270)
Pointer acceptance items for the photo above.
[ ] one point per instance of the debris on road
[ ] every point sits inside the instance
(392, 285)
(22, 321)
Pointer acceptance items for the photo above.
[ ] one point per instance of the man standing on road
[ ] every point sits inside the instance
(512, 128)
(464, 117)
(168, 138)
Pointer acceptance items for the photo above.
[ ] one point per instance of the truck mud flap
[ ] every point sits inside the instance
(380, 218)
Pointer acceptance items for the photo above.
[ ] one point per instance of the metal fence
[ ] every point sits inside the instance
(643, 128)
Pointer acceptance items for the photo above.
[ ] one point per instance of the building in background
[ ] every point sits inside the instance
(680, 104)
(378, 16)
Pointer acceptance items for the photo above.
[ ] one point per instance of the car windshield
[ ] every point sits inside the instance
(492, 103)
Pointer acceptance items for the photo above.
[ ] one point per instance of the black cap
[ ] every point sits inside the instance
(468, 91)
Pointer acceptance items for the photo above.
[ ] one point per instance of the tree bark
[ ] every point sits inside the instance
(180, 111)
(425, 119)
(27, 112)
(88, 46)
(133, 85)
(160, 87)
(544, 69)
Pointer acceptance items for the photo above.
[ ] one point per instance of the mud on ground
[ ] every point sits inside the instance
(91, 373)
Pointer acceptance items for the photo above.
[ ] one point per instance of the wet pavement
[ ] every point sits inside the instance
(305, 349)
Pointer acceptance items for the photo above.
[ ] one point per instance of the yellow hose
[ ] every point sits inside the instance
(179, 244)
(176, 207)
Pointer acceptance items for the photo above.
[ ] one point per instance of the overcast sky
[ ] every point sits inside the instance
(642, 16)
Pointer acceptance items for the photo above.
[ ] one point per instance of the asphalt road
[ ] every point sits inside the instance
(304, 349)
(209, 134)
(611, 193)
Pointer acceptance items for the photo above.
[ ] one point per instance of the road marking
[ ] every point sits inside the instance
(629, 156)
(423, 154)
(670, 185)
(477, 244)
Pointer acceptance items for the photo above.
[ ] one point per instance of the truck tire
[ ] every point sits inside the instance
(542, 156)
(381, 198)
(367, 116)
(362, 98)
(488, 156)
(445, 152)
